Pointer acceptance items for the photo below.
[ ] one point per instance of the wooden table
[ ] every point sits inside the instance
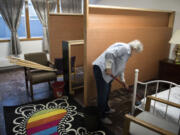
(169, 71)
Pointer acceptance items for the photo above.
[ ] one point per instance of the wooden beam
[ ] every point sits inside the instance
(27, 19)
(126, 126)
(148, 104)
(129, 8)
(22, 39)
(58, 9)
(30, 64)
(67, 46)
(86, 12)
(75, 42)
(65, 14)
(171, 19)
(163, 101)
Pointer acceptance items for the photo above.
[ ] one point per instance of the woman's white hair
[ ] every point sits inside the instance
(136, 45)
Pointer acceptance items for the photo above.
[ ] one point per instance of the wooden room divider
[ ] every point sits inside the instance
(102, 26)
(105, 25)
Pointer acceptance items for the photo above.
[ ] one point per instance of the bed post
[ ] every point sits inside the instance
(134, 91)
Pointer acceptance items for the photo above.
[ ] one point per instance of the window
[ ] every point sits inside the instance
(30, 25)
(71, 6)
(35, 26)
(5, 32)
(22, 25)
(36, 29)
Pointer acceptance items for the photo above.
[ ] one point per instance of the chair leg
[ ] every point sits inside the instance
(26, 80)
(27, 86)
(49, 83)
(31, 90)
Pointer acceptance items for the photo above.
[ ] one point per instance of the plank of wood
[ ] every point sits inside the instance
(29, 64)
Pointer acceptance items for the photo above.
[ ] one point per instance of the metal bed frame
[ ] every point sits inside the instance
(157, 83)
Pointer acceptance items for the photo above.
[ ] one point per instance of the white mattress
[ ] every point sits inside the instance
(173, 113)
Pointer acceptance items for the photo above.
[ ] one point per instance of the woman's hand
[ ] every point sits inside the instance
(125, 85)
(108, 71)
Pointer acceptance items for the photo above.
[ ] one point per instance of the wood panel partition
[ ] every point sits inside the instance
(107, 25)
(102, 26)
(65, 27)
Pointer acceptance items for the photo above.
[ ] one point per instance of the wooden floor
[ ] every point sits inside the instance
(13, 92)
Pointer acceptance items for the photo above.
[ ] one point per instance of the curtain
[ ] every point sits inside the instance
(71, 6)
(52, 5)
(41, 10)
(11, 13)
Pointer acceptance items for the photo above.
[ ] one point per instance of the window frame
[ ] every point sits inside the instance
(28, 32)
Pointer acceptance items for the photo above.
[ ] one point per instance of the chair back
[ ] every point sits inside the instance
(39, 57)
(58, 62)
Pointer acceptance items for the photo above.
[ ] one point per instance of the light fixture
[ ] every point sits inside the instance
(175, 39)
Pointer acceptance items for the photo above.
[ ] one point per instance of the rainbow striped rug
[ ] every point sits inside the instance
(61, 116)
(45, 122)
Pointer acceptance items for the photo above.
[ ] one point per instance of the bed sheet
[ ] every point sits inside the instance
(173, 113)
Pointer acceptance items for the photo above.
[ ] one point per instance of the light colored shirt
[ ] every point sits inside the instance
(114, 58)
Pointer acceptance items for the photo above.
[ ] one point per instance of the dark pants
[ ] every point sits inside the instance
(103, 90)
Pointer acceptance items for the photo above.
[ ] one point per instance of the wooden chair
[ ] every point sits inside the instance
(146, 123)
(34, 76)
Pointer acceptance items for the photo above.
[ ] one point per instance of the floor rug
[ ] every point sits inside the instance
(61, 116)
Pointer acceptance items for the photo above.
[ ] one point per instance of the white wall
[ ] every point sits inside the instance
(26, 46)
(173, 5)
